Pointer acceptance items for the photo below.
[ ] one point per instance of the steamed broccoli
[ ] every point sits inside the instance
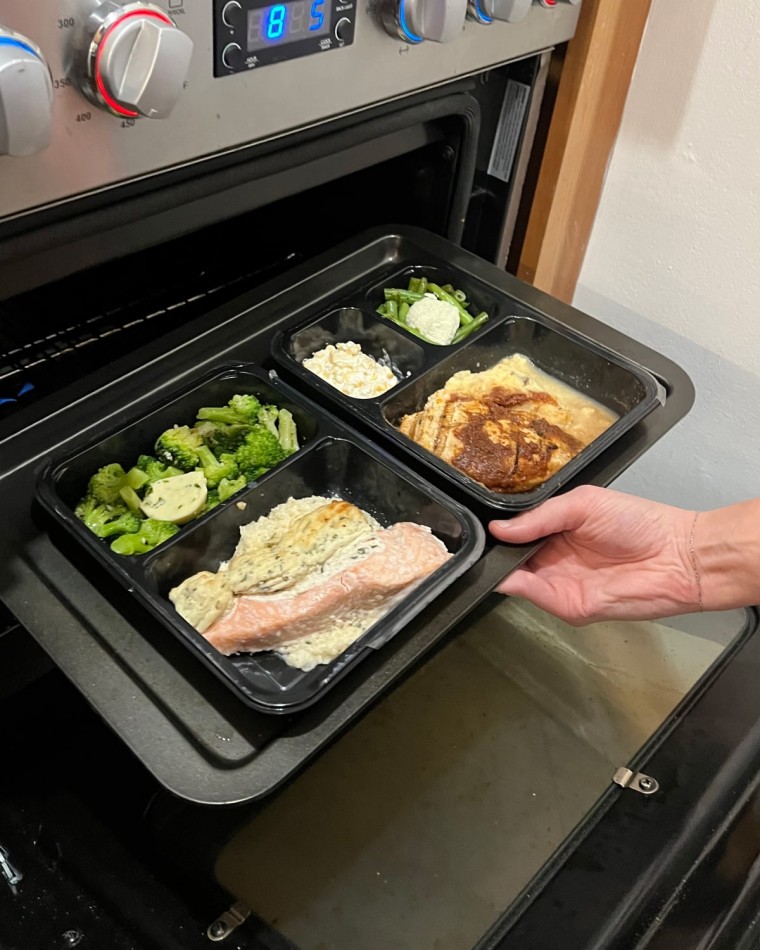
(105, 484)
(148, 535)
(155, 469)
(124, 524)
(241, 409)
(110, 483)
(106, 520)
(228, 486)
(286, 430)
(268, 417)
(282, 425)
(179, 446)
(260, 452)
(222, 437)
(216, 469)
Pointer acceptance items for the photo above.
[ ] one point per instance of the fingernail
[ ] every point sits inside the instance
(501, 525)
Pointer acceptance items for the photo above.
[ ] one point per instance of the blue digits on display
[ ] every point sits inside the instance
(276, 22)
(317, 17)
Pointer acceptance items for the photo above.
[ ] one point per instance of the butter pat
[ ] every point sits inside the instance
(179, 498)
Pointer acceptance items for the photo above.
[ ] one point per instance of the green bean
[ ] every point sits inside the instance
(464, 316)
(464, 331)
(460, 295)
(381, 310)
(403, 310)
(401, 296)
(423, 286)
(414, 285)
(448, 288)
(391, 309)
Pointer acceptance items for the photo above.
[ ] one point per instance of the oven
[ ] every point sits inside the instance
(179, 183)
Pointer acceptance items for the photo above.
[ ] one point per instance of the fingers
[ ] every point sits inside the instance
(520, 583)
(552, 517)
(523, 583)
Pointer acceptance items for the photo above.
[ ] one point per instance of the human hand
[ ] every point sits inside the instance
(609, 556)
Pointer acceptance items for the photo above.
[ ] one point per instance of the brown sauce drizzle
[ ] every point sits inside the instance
(506, 448)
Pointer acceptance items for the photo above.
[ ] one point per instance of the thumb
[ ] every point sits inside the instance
(552, 517)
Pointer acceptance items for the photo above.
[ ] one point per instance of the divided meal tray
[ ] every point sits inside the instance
(598, 372)
(332, 460)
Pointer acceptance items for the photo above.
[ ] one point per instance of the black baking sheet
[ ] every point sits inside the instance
(187, 728)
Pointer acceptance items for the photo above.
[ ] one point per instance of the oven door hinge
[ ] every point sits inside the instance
(230, 920)
(644, 784)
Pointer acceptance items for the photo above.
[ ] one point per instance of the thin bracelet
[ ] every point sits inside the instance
(694, 564)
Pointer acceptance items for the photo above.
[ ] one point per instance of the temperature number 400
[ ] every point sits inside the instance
(276, 21)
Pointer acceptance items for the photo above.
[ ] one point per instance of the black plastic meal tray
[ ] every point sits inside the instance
(609, 378)
(333, 461)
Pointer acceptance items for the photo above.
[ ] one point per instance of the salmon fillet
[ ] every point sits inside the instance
(409, 553)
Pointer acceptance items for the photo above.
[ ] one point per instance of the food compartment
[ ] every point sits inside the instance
(480, 298)
(386, 344)
(604, 377)
(334, 467)
(64, 481)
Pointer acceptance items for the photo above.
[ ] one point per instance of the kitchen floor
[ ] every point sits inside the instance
(421, 825)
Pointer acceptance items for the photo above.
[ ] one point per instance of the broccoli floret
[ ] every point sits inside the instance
(105, 484)
(268, 417)
(106, 520)
(260, 452)
(111, 485)
(228, 486)
(155, 469)
(222, 437)
(286, 428)
(124, 524)
(179, 446)
(216, 469)
(241, 409)
(148, 535)
(246, 406)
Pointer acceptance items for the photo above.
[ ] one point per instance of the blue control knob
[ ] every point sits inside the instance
(26, 96)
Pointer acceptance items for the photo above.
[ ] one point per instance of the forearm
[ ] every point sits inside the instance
(726, 548)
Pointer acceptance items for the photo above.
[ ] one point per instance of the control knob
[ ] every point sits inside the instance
(417, 20)
(26, 96)
(136, 59)
(486, 11)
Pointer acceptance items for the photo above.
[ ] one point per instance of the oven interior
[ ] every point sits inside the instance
(428, 818)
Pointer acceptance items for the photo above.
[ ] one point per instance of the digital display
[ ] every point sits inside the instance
(287, 23)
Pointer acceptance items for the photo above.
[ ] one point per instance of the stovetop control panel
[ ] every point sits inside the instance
(249, 34)
(96, 93)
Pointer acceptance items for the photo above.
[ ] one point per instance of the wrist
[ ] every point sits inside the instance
(726, 556)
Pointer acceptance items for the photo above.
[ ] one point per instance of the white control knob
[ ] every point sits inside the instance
(486, 11)
(137, 59)
(26, 96)
(417, 20)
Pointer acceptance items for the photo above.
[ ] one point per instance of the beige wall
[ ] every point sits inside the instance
(674, 257)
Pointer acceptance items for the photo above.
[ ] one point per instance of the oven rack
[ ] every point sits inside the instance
(41, 355)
